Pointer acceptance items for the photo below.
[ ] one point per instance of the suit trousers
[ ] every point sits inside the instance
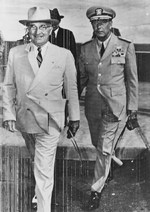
(105, 132)
(30, 144)
(44, 160)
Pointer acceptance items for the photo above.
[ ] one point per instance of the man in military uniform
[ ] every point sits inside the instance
(108, 71)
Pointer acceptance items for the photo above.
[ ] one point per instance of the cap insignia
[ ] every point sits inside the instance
(99, 11)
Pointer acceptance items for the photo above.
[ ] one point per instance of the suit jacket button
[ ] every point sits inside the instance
(46, 94)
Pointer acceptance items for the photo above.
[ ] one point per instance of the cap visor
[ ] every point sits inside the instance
(101, 17)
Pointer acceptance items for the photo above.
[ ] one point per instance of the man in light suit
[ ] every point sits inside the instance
(32, 97)
(108, 71)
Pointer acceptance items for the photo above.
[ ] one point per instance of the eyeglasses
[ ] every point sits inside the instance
(100, 21)
(43, 27)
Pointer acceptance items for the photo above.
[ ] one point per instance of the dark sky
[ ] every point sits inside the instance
(133, 17)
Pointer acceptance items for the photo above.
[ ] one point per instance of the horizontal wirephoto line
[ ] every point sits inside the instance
(145, 52)
(144, 111)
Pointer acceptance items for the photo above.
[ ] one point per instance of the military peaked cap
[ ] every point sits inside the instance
(98, 12)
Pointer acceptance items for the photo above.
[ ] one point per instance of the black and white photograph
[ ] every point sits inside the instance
(74, 106)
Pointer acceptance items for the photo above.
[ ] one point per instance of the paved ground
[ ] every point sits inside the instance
(129, 191)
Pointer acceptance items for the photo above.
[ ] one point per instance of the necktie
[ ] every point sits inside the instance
(102, 50)
(39, 56)
(53, 37)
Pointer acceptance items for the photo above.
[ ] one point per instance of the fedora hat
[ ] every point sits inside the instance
(55, 14)
(39, 14)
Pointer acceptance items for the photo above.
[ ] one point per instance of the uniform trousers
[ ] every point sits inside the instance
(104, 131)
(44, 160)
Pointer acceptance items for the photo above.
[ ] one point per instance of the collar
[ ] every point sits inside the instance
(44, 48)
(99, 43)
(56, 32)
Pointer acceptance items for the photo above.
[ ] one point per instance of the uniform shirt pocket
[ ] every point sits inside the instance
(117, 66)
(118, 60)
(117, 91)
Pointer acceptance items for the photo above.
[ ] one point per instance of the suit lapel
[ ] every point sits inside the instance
(60, 36)
(48, 62)
(110, 47)
(93, 50)
(32, 58)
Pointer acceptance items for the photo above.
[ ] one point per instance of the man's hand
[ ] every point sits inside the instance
(132, 121)
(73, 127)
(10, 125)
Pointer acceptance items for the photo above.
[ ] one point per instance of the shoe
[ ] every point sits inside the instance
(93, 202)
(34, 202)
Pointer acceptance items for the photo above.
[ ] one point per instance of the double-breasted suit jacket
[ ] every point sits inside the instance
(33, 96)
(112, 77)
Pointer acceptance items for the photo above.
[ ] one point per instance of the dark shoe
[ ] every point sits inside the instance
(34, 203)
(93, 202)
(109, 178)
